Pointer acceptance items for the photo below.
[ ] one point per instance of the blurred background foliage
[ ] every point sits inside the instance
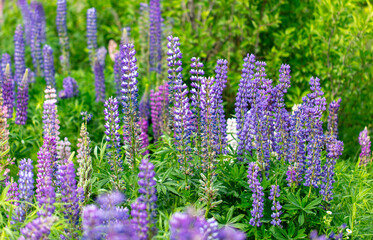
(331, 39)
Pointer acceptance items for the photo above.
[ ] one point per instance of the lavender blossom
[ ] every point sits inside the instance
(5, 60)
(140, 219)
(334, 150)
(333, 118)
(276, 206)
(38, 7)
(144, 135)
(36, 52)
(101, 56)
(12, 193)
(19, 54)
(155, 47)
(221, 80)
(8, 90)
(313, 163)
(70, 88)
(92, 35)
(38, 229)
(26, 15)
(364, 140)
(159, 111)
(26, 188)
(49, 66)
(129, 102)
(99, 82)
(257, 189)
(185, 226)
(22, 100)
(62, 34)
(92, 223)
(175, 66)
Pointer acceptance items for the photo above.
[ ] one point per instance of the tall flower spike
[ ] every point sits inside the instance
(333, 118)
(38, 229)
(113, 146)
(140, 220)
(129, 91)
(26, 188)
(276, 206)
(70, 88)
(92, 35)
(364, 140)
(63, 151)
(257, 190)
(49, 66)
(99, 81)
(5, 60)
(26, 15)
(221, 80)
(334, 150)
(144, 135)
(174, 67)
(155, 41)
(19, 54)
(101, 56)
(62, 35)
(36, 51)
(8, 91)
(38, 7)
(22, 100)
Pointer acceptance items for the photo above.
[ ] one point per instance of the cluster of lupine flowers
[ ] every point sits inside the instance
(261, 134)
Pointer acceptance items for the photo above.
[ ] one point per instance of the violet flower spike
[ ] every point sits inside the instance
(257, 189)
(38, 229)
(62, 34)
(38, 7)
(333, 118)
(155, 47)
(99, 82)
(92, 34)
(49, 66)
(25, 187)
(140, 219)
(19, 54)
(70, 88)
(8, 91)
(276, 206)
(22, 100)
(365, 143)
(26, 15)
(36, 51)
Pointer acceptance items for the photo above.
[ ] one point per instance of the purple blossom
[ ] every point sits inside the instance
(62, 34)
(92, 222)
(174, 57)
(22, 100)
(26, 188)
(333, 118)
(257, 189)
(99, 82)
(12, 193)
(38, 7)
(63, 151)
(140, 219)
(144, 135)
(19, 54)
(364, 140)
(160, 116)
(186, 226)
(49, 66)
(276, 206)
(101, 56)
(155, 47)
(8, 90)
(229, 233)
(5, 60)
(36, 51)
(38, 229)
(26, 15)
(92, 35)
(70, 88)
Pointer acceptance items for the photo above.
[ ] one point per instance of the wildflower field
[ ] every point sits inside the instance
(186, 120)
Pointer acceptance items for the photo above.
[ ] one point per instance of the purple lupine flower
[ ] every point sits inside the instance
(70, 88)
(221, 125)
(117, 75)
(242, 100)
(19, 54)
(62, 34)
(92, 35)
(111, 213)
(112, 121)
(184, 226)
(69, 192)
(63, 151)
(229, 233)
(8, 90)
(5, 60)
(121, 231)
(99, 82)
(92, 223)
(144, 135)
(26, 15)
(26, 188)
(22, 100)
(155, 47)
(292, 176)
(12, 193)
(140, 219)
(210, 229)
(36, 51)
(313, 163)
(364, 140)
(129, 91)
(38, 229)
(38, 7)
(159, 111)
(208, 123)
(148, 193)
(276, 206)
(333, 118)
(315, 236)
(334, 150)
(49, 66)
(101, 55)
(178, 97)
(257, 189)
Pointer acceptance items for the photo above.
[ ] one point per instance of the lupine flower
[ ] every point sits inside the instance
(229, 233)
(38, 7)
(99, 81)
(5, 60)
(26, 15)
(257, 189)
(63, 151)
(62, 34)
(333, 118)
(4, 137)
(221, 80)
(101, 56)
(26, 188)
(19, 54)
(38, 229)
(12, 193)
(84, 160)
(36, 52)
(22, 100)
(8, 90)
(140, 219)
(92, 223)
(144, 135)
(276, 206)
(49, 66)
(69, 192)
(112, 121)
(315, 236)
(232, 133)
(159, 111)
(155, 41)
(178, 96)
(92, 35)
(147, 188)
(129, 91)
(364, 140)
(334, 150)
(70, 88)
